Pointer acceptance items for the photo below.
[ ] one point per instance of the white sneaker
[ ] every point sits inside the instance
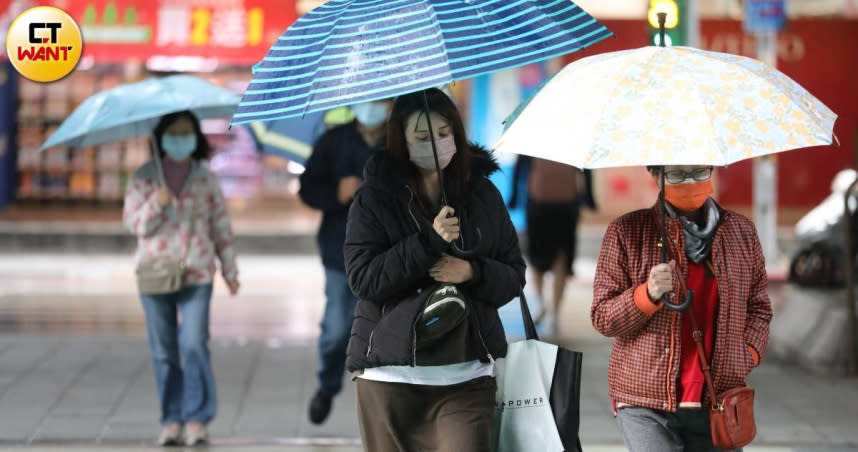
(196, 435)
(171, 435)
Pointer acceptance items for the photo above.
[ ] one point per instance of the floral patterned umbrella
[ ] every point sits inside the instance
(666, 106)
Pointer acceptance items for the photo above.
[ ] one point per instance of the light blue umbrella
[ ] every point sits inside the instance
(133, 109)
(350, 51)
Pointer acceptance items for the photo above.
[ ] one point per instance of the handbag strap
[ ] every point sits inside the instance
(529, 326)
(697, 334)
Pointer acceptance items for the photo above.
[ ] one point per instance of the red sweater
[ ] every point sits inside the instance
(705, 310)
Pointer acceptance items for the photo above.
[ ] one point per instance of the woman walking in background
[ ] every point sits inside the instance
(179, 214)
(555, 194)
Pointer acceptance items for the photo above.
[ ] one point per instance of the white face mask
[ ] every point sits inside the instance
(422, 156)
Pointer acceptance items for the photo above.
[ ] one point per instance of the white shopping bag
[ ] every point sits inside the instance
(538, 403)
(524, 420)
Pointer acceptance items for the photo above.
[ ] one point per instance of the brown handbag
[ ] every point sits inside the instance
(731, 417)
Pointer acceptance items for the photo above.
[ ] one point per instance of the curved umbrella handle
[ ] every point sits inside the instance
(689, 297)
(679, 307)
(464, 254)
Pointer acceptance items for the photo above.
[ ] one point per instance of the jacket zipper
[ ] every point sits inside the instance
(410, 212)
(414, 342)
(369, 347)
(673, 317)
(417, 319)
(482, 340)
(488, 353)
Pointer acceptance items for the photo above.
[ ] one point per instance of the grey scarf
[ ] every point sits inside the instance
(698, 243)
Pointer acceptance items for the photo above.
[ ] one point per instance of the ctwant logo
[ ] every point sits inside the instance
(44, 44)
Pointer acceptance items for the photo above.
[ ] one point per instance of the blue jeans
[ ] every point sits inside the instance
(187, 394)
(336, 330)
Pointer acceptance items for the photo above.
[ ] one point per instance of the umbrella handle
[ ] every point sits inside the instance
(679, 307)
(464, 254)
(159, 167)
(156, 157)
(689, 297)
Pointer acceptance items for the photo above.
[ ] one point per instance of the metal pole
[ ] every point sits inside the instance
(765, 170)
(692, 21)
(849, 273)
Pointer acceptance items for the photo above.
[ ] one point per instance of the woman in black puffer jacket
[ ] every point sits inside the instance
(397, 250)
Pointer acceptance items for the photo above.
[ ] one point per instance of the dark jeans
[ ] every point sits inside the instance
(647, 430)
(186, 392)
(336, 330)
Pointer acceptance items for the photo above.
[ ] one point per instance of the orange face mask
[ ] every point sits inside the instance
(688, 197)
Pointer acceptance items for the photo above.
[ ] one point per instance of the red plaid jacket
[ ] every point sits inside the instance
(645, 360)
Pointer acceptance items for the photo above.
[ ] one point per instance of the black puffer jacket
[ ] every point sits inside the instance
(390, 248)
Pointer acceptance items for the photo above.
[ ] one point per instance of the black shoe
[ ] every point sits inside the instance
(320, 408)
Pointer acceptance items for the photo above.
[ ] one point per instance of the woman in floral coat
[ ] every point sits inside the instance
(181, 214)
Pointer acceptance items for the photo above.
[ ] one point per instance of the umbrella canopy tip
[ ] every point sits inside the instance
(662, 20)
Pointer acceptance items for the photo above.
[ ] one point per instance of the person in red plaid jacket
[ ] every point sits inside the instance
(654, 376)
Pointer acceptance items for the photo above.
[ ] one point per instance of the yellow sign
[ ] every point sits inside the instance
(663, 6)
(44, 44)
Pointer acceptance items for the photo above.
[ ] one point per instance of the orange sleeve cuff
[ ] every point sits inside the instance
(643, 302)
(754, 355)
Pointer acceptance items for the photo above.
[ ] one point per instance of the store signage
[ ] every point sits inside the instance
(765, 15)
(229, 31)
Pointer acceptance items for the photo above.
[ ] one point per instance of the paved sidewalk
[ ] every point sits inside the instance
(84, 391)
(75, 371)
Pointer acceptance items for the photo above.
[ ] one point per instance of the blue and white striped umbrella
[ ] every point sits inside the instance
(350, 51)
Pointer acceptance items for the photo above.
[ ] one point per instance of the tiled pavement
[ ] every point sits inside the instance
(75, 371)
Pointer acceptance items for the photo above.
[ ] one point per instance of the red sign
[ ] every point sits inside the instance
(228, 31)
(819, 54)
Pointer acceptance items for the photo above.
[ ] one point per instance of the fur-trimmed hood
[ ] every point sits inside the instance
(381, 172)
